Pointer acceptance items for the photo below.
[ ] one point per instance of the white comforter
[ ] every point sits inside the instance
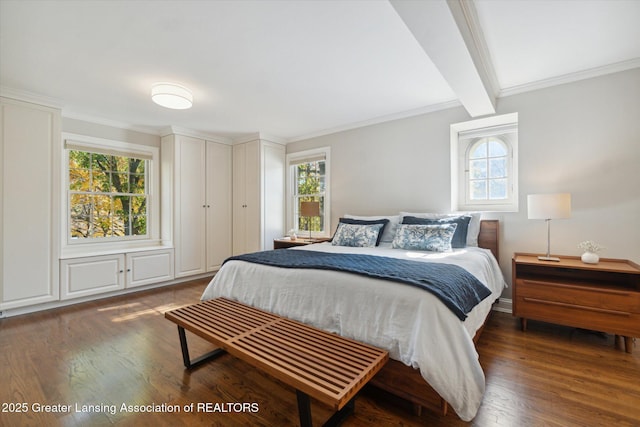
(412, 324)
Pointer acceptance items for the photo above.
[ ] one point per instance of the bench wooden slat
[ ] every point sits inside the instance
(326, 370)
(289, 372)
(322, 357)
(357, 356)
(325, 366)
(307, 362)
(293, 328)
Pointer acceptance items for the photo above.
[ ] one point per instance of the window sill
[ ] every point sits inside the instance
(97, 249)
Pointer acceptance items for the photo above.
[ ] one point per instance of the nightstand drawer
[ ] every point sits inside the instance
(566, 295)
(614, 321)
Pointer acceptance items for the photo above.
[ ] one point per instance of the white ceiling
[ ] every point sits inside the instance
(294, 69)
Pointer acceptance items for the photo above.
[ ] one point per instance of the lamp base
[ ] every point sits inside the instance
(549, 258)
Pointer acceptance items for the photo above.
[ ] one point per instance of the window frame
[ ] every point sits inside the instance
(464, 136)
(293, 159)
(75, 142)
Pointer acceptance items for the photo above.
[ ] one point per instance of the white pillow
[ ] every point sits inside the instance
(474, 225)
(389, 231)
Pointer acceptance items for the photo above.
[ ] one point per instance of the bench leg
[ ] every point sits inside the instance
(188, 363)
(304, 410)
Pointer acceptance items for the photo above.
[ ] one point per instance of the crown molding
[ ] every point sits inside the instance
(74, 115)
(31, 97)
(380, 119)
(571, 77)
(260, 136)
(169, 130)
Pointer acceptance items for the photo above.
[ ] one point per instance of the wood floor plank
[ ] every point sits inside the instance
(122, 351)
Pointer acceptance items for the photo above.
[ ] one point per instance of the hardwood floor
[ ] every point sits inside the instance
(122, 351)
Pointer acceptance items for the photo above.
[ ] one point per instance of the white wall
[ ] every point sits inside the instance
(582, 138)
(108, 132)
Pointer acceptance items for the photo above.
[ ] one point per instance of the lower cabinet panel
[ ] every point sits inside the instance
(144, 268)
(81, 277)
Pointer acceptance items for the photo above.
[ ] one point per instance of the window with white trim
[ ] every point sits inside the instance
(109, 190)
(484, 164)
(309, 180)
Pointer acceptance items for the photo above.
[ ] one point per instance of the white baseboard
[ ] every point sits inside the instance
(58, 304)
(504, 305)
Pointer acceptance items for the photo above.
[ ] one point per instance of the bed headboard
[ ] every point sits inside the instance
(488, 237)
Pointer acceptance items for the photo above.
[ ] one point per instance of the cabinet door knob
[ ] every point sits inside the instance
(128, 269)
(121, 271)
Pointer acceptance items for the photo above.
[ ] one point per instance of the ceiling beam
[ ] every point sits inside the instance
(449, 33)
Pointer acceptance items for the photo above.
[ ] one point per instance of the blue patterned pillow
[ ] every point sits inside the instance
(382, 221)
(459, 237)
(424, 237)
(357, 235)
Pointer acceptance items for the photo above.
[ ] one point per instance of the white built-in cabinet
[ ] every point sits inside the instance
(216, 200)
(29, 209)
(258, 195)
(85, 276)
(196, 204)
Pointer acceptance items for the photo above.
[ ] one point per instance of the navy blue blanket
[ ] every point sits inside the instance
(458, 289)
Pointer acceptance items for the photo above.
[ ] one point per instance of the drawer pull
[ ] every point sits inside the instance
(580, 307)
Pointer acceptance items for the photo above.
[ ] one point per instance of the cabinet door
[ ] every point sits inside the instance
(81, 277)
(29, 158)
(246, 198)
(273, 162)
(190, 206)
(239, 199)
(149, 267)
(253, 191)
(218, 204)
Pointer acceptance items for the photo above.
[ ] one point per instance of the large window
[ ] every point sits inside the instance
(107, 195)
(309, 182)
(484, 164)
(108, 191)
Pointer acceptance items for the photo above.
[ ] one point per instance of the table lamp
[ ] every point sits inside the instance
(309, 210)
(548, 207)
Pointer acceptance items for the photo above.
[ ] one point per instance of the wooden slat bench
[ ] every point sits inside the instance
(318, 364)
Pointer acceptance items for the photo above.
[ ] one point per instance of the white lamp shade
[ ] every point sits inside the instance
(172, 96)
(549, 206)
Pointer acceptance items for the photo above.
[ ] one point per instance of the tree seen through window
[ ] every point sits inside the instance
(107, 195)
(310, 187)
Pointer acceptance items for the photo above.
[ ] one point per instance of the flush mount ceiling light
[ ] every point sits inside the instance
(171, 95)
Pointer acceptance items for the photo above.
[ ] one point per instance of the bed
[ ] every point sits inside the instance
(434, 361)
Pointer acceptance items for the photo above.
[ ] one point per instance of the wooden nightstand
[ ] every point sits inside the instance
(603, 297)
(288, 243)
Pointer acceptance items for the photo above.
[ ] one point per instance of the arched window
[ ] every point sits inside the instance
(484, 164)
(488, 166)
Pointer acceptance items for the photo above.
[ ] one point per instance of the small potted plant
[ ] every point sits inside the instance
(591, 249)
